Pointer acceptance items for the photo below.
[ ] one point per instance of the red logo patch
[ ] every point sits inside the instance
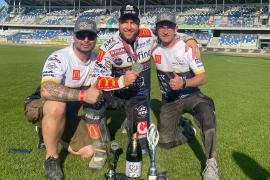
(93, 131)
(101, 54)
(142, 127)
(117, 52)
(157, 59)
(144, 32)
(76, 74)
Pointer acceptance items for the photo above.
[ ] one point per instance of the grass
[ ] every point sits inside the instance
(240, 87)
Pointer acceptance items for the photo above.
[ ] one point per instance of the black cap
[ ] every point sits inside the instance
(129, 11)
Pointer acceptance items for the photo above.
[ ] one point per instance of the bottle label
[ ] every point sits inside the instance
(133, 169)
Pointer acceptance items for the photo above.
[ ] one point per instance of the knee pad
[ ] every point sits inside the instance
(96, 126)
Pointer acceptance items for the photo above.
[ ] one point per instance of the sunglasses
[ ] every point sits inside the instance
(81, 35)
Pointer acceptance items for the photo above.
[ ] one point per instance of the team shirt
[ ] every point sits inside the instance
(65, 68)
(115, 57)
(175, 61)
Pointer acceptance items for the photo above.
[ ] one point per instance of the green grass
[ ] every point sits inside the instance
(240, 87)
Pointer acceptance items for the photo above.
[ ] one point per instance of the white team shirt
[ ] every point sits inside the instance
(65, 68)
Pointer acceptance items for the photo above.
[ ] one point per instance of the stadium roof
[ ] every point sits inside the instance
(121, 2)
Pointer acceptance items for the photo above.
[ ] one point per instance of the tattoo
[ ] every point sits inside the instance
(58, 92)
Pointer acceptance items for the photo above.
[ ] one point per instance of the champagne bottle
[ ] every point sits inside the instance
(134, 158)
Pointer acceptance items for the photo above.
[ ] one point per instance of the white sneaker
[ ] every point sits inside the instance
(210, 171)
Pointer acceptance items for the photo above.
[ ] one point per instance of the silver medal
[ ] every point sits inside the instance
(137, 67)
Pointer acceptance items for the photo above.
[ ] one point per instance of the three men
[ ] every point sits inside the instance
(179, 76)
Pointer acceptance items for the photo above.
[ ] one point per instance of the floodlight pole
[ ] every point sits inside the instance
(175, 5)
(105, 5)
(223, 6)
(144, 4)
(79, 7)
(181, 6)
(110, 6)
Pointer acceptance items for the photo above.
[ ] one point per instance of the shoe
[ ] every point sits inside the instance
(41, 144)
(52, 169)
(210, 171)
(98, 160)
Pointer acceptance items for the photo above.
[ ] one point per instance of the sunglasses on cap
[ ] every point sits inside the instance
(81, 35)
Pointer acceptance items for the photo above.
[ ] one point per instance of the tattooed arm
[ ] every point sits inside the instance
(57, 92)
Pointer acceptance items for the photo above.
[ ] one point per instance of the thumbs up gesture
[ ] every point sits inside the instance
(176, 83)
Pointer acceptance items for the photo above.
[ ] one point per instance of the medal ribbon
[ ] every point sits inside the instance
(128, 50)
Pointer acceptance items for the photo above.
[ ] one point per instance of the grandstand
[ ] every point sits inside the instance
(240, 25)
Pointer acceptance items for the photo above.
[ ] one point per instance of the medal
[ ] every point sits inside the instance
(137, 67)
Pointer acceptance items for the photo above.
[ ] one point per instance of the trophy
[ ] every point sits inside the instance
(113, 155)
(152, 138)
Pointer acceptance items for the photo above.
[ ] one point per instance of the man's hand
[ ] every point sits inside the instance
(195, 49)
(176, 83)
(92, 95)
(130, 77)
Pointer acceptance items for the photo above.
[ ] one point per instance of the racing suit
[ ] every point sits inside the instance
(172, 62)
(115, 57)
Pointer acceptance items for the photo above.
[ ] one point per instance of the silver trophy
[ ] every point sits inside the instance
(152, 138)
(113, 155)
(137, 67)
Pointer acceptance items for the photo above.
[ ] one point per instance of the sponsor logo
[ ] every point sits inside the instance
(144, 54)
(110, 43)
(106, 83)
(142, 111)
(54, 59)
(101, 54)
(51, 65)
(93, 131)
(144, 32)
(144, 44)
(198, 61)
(117, 52)
(157, 59)
(142, 127)
(76, 74)
(118, 61)
(47, 73)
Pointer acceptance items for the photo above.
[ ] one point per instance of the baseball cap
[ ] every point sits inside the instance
(129, 11)
(83, 24)
(168, 17)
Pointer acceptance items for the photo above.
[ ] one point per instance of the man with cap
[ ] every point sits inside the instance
(123, 63)
(180, 76)
(65, 85)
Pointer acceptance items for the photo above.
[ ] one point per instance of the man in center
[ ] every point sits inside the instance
(127, 54)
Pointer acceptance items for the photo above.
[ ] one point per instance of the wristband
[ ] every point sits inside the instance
(184, 83)
(81, 95)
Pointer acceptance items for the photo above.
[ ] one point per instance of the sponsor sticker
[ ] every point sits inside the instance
(142, 127)
(117, 52)
(76, 74)
(157, 59)
(93, 131)
(101, 54)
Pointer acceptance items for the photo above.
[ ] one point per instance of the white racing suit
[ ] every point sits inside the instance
(112, 62)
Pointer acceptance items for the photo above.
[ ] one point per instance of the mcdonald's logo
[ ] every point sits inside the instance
(93, 131)
(103, 82)
(157, 59)
(101, 54)
(76, 74)
(144, 32)
(107, 83)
